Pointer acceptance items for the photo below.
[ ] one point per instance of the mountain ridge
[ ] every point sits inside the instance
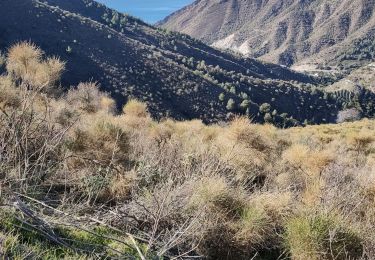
(175, 75)
(282, 31)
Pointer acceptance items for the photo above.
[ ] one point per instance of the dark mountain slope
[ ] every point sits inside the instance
(174, 74)
(176, 43)
(284, 31)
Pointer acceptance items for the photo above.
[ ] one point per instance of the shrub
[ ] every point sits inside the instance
(99, 158)
(135, 108)
(245, 104)
(268, 118)
(254, 228)
(222, 97)
(242, 131)
(236, 229)
(321, 237)
(69, 50)
(360, 140)
(2, 60)
(26, 65)
(88, 98)
(310, 161)
(249, 149)
(348, 115)
(224, 191)
(231, 104)
(102, 140)
(216, 194)
(30, 141)
(9, 95)
(265, 108)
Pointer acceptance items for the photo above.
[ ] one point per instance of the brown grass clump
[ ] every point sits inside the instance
(253, 137)
(306, 169)
(216, 194)
(321, 237)
(312, 162)
(121, 185)
(88, 98)
(135, 108)
(360, 141)
(9, 95)
(25, 64)
(21, 57)
(163, 131)
(278, 205)
(248, 149)
(254, 228)
(101, 140)
(223, 206)
(135, 115)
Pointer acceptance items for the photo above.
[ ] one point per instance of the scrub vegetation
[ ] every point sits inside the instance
(81, 180)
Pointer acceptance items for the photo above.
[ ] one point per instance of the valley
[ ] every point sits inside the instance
(174, 74)
(231, 130)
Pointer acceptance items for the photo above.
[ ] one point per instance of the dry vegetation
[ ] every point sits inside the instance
(79, 181)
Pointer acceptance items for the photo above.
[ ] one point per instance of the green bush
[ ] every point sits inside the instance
(231, 104)
(321, 237)
(222, 97)
(265, 108)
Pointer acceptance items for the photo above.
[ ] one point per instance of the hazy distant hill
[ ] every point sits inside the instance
(284, 31)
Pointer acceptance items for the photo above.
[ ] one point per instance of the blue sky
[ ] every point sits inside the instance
(148, 10)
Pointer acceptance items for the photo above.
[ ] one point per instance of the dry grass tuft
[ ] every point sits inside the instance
(216, 194)
(88, 98)
(135, 108)
(254, 228)
(25, 64)
(360, 141)
(321, 237)
(9, 95)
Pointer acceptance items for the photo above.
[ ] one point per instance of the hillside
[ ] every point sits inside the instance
(363, 77)
(317, 32)
(79, 181)
(113, 145)
(175, 75)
